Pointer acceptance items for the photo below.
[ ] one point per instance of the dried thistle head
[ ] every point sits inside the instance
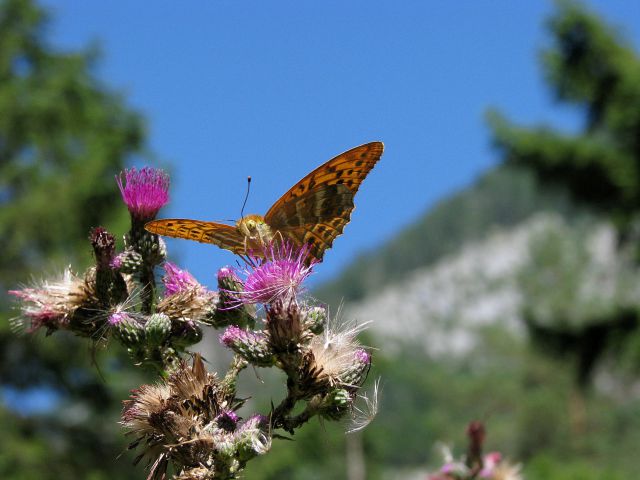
(189, 421)
(336, 358)
(507, 471)
(285, 325)
(53, 304)
(193, 303)
(184, 297)
(170, 418)
(197, 473)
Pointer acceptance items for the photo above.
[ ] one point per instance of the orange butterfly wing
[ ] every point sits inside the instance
(224, 236)
(317, 208)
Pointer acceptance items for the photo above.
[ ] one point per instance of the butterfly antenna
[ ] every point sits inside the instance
(246, 197)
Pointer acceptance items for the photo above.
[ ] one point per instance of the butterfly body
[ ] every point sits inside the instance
(313, 212)
(256, 232)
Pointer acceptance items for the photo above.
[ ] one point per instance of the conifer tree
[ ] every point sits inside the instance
(63, 138)
(589, 65)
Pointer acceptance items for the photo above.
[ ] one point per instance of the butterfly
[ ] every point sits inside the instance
(313, 212)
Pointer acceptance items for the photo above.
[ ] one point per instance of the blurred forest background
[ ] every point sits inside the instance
(515, 301)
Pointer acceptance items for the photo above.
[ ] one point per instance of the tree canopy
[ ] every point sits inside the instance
(63, 137)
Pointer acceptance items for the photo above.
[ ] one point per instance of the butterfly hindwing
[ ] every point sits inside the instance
(318, 237)
(224, 236)
(316, 218)
(315, 206)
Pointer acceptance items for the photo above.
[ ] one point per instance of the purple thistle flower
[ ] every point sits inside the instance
(177, 280)
(227, 274)
(227, 420)
(116, 262)
(362, 356)
(144, 191)
(252, 346)
(278, 276)
(117, 318)
(235, 336)
(255, 421)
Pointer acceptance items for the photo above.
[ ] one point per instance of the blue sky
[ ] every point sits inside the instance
(272, 89)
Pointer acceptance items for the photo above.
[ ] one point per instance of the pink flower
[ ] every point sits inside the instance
(177, 280)
(144, 191)
(252, 346)
(278, 276)
(490, 462)
(227, 420)
(362, 356)
(117, 318)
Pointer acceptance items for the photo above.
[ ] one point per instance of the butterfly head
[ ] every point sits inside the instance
(255, 230)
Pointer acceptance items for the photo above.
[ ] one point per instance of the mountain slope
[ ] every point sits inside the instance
(503, 197)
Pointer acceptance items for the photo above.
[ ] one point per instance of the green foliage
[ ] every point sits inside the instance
(548, 468)
(63, 137)
(590, 66)
(525, 398)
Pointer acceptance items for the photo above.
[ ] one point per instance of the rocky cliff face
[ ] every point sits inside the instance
(443, 306)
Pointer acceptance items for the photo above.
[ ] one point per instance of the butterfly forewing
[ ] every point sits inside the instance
(316, 209)
(224, 236)
(349, 169)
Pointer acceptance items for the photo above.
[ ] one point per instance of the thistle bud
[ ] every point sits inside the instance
(103, 244)
(356, 373)
(252, 346)
(127, 329)
(110, 287)
(229, 310)
(170, 359)
(129, 261)
(185, 333)
(314, 319)
(150, 246)
(229, 281)
(335, 404)
(252, 438)
(157, 328)
(285, 326)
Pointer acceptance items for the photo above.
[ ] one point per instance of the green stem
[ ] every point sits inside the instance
(231, 378)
